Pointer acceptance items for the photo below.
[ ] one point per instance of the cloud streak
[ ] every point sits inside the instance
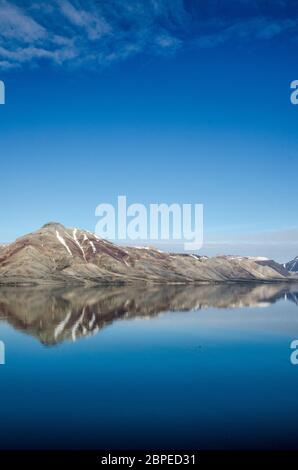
(98, 33)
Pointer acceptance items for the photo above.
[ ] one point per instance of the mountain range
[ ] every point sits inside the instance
(58, 255)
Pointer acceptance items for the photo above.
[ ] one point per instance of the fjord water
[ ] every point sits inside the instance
(206, 367)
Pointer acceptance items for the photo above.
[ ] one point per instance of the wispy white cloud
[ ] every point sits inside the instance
(280, 245)
(15, 24)
(289, 236)
(94, 25)
(100, 32)
(259, 28)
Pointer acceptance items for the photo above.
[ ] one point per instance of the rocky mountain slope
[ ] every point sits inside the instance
(55, 254)
(292, 266)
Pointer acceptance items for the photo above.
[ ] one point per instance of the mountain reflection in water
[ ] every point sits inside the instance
(60, 314)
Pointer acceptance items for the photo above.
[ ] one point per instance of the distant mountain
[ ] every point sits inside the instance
(292, 266)
(55, 254)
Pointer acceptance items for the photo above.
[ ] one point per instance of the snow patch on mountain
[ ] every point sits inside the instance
(63, 242)
(292, 266)
(78, 243)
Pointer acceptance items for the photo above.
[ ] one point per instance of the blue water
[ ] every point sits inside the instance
(202, 379)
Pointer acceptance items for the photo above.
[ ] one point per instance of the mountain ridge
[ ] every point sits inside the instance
(292, 266)
(55, 254)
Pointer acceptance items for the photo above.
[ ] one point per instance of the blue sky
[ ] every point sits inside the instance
(164, 101)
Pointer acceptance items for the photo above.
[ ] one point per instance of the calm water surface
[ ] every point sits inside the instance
(204, 367)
